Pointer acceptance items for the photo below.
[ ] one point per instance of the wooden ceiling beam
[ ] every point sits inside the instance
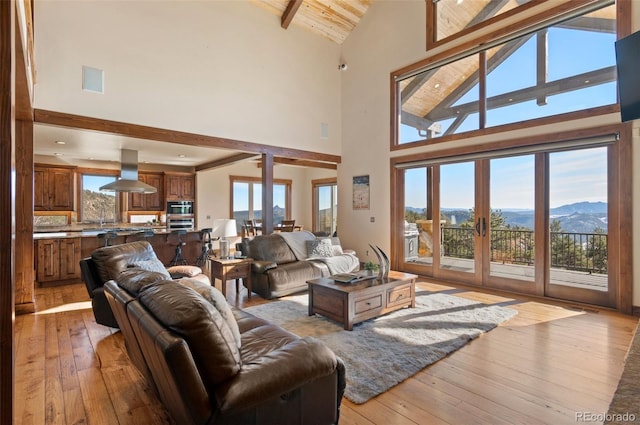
(290, 13)
(303, 163)
(171, 136)
(229, 160)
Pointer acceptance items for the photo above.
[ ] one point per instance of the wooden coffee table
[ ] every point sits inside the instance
(351, 303)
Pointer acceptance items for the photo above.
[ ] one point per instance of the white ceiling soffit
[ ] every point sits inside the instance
(84, 145)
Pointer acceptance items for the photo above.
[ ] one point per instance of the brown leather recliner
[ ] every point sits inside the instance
(204, 372)
(108, 262)
(276, 270)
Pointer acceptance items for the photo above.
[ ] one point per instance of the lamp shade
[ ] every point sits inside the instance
(224, 228)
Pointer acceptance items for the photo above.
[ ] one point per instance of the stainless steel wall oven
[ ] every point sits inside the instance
(180, 215)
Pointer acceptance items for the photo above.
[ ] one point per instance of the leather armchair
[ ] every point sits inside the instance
(202, 376)
(108, 262)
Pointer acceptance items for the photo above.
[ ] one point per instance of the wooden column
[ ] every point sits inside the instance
(24, 274)
(267, 193)
(7, 212)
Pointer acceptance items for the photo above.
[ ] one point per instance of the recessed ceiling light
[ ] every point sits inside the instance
(181, 155)
(57, 154)
(60, 142)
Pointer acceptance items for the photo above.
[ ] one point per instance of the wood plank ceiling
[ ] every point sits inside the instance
(332, 19)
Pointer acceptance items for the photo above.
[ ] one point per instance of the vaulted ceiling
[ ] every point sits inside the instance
(332, 19)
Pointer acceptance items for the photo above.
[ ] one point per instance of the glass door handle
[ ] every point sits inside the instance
(484, 226)
(478, 227)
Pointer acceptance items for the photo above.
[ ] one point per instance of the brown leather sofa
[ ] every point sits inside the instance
(108, 262)
(277, 271)
(211, 363)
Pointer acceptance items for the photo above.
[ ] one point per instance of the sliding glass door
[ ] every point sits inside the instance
(534, 223)
(578, 224)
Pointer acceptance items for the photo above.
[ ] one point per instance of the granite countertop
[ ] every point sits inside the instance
(76, 231)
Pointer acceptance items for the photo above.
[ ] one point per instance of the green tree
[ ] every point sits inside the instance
(597, 251)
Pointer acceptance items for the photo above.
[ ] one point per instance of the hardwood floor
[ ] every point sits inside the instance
(543, 366)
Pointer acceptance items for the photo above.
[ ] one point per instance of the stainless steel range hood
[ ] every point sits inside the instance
(128, 181)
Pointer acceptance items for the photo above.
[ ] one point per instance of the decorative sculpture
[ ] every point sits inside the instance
(383, 261)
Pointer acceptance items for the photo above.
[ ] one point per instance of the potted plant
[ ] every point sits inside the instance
(371, 267)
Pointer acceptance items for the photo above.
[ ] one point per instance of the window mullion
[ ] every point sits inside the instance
(482, 100)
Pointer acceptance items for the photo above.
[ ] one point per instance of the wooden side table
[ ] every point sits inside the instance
(233, 268)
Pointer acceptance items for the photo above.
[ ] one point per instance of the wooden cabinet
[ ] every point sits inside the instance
(149, 201)
(180, 187)
(58, 259)
(53, 188)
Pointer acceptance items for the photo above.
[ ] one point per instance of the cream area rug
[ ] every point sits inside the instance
(625, 406)
(383, 352)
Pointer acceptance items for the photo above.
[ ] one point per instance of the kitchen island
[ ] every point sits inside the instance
(58, 253)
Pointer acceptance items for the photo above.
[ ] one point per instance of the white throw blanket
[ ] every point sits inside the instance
(337, 264)
(297, 241)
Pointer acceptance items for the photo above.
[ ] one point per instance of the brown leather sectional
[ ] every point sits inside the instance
(211, 363)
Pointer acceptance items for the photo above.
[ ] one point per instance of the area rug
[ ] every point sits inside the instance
(625, 406)
(383, 352)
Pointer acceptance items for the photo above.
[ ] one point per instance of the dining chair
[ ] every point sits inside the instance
(249, 228)
(287, 225)
(257, 224)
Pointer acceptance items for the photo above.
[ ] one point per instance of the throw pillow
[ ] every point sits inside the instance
(215, 297)
(153, 265)
(336, 250)
(319, 248)
(185, 312)
(184, 271)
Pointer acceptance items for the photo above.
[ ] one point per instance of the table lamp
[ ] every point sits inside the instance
(224, 228)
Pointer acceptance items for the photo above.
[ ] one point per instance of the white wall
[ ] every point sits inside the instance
(392, 36)
(221, 68)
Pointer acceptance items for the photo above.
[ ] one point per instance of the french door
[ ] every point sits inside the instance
(536, 223)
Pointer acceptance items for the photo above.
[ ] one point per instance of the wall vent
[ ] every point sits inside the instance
(92, 79)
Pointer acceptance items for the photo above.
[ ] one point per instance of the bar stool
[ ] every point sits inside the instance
(107, 236)
(178, 259)
(207, 247)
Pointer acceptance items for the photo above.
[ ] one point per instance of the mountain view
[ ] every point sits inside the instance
(98, 206)
(580, 217)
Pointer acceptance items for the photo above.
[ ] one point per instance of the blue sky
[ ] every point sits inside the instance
(93, 183)
(574, 176)
(241, 196)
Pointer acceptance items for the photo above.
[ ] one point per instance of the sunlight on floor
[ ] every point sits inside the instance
(84, 305)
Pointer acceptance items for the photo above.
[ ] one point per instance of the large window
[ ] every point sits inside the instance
(96, 206)
(568, 66)
(450, 17)
(246, 199)
(325, 205)
(537, 222)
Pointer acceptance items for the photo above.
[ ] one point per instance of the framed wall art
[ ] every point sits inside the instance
(361, 192)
